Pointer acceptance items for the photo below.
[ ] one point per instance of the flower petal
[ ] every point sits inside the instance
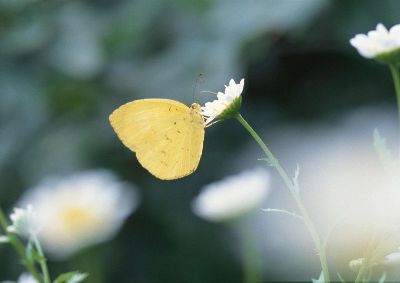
(232, 196)
(224, 99)
(378, 41)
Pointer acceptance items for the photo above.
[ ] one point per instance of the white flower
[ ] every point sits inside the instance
(23, 222)
(24, 278)
(4, 239)
(356, 264)
(224, 101)
(378, 42)
(232, 196)
(80, 210)
(392, 259)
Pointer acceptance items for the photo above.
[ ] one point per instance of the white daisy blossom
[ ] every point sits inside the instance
(356, 264)
(24, 278)
(23, 222)
(4, 239)
(377, 42)
(393, 258)
(213, 109)
(233, 196)
(80, 210)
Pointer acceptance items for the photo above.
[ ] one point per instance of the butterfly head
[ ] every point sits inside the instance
(195, 107)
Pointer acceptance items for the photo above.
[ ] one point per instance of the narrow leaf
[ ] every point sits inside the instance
(282, 211)
(71, 277)
(382, 278)
(29, 251)
(270, 162)
(32, 254)
(320, 279)
(341, 278)
(296, 178)
(384, 153)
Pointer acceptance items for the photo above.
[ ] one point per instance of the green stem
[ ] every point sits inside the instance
(3, 221)
(360, 274)
(366, 268)
(293, 191)
(252, 267)
(16, 243)
(368, 277)
(42, 260)
(396, 79)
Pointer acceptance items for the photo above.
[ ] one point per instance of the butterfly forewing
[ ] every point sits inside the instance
(166, 135)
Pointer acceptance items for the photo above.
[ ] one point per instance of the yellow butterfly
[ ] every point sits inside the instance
(166, 135)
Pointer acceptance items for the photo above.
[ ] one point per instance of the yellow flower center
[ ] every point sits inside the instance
(75, 217)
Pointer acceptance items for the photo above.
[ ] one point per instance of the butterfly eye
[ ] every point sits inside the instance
(195, 106)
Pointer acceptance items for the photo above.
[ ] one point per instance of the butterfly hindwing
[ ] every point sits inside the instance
(166, 135)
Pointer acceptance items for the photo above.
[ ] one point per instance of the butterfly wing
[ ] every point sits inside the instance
(166, 135)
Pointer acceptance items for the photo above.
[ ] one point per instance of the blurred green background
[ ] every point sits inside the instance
(66, 65)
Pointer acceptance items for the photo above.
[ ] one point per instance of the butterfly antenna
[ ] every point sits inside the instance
(207, 91)
(199, 81)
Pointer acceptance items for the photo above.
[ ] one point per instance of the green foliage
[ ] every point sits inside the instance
(296, 179)
(382, 278)
(341, 278)
(32, 254)
(71, 277)
(284, 212)
(320, 279)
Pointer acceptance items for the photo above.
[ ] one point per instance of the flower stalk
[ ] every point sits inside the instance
(252, 266)
(42, 259)
(396, 79)
(295, 194)
(19, 248)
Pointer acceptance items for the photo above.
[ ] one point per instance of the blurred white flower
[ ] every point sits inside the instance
(378, 42)
(392, 259)
(4, 239)
(23, 222)
(355, 264)
(232, 196)
(344, 183)
(80, 210)
(24, 278)
(226, 102)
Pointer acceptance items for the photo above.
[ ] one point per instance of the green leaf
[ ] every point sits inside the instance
(282, 211)
(341, 278)
(382, 278)
(29, 251)
(320, 279)
(270, 162)
(296, 179)
(71, 277)
(32, 254)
